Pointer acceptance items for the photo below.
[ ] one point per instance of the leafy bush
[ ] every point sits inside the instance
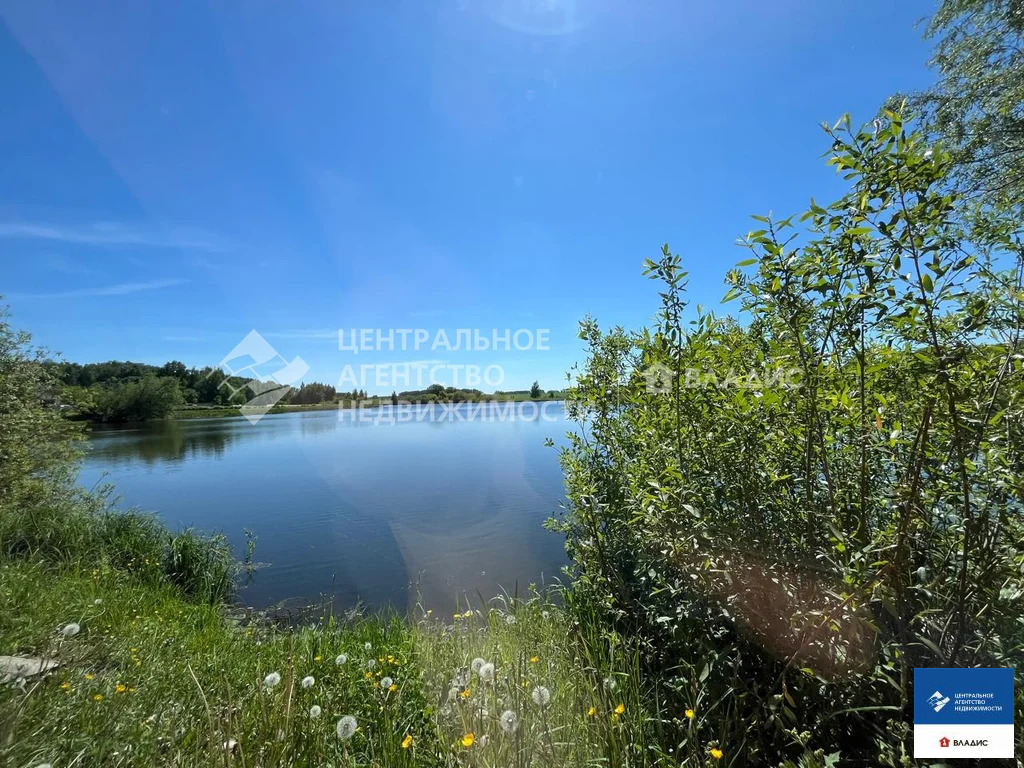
(150, 397)
(794, 511)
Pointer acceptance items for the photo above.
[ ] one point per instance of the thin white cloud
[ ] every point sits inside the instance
(112, 233)
(313, 333)
(118, 289)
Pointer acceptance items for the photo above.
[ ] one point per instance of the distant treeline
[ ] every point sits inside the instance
(125, 391)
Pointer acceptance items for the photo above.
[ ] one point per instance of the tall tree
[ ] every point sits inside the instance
(976, 107)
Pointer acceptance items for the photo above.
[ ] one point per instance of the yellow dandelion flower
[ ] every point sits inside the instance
(689, 714)
(466, 693)
(534, 659)
(407, 741)
(318, 659)
(98, 697)
(468, 739)
(368, 675)
(393, 687)
(592, 711)
(467, 614)
(121, 688)
(716, 753)
(620, 709)
(89, 676)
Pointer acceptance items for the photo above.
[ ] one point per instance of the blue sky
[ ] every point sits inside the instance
(177, 174)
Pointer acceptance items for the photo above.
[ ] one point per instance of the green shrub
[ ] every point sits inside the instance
(793, 512)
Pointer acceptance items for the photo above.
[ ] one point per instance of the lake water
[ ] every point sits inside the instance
(433, 507)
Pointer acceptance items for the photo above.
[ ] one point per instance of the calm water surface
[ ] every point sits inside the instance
(350, 510)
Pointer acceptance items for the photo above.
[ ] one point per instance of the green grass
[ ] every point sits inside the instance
(153, 678)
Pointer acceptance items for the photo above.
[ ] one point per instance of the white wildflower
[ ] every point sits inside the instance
(346, 727)
(368, 646)
(509, 721)
(476, 664)
(371, 663)
(271, 680)
(487, 673)
(315, 712)
(342, 658)
(70, 630)
(308, 682)
(541, 696)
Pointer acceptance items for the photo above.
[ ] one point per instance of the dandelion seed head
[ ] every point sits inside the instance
(70, 630)
(610, 684)
(476, 664)
(386, 682)
(308, 681)
(509, 721)
(545, 615)
(368, 646)
(341, 659)
(541, 696)
(487, 673)
(346, 727)
(315, 712)
(371, 663)
(271, 680)
(510, 619)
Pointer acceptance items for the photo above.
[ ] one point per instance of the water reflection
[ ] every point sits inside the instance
(353, 510)
(161, 441)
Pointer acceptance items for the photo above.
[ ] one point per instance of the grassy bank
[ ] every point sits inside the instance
(212, 412)
(153, 678)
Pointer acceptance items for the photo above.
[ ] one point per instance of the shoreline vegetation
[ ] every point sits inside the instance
(756, 571)
(213, 411)
(127, 392)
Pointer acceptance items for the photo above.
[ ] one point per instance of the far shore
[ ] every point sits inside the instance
(212, 412)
